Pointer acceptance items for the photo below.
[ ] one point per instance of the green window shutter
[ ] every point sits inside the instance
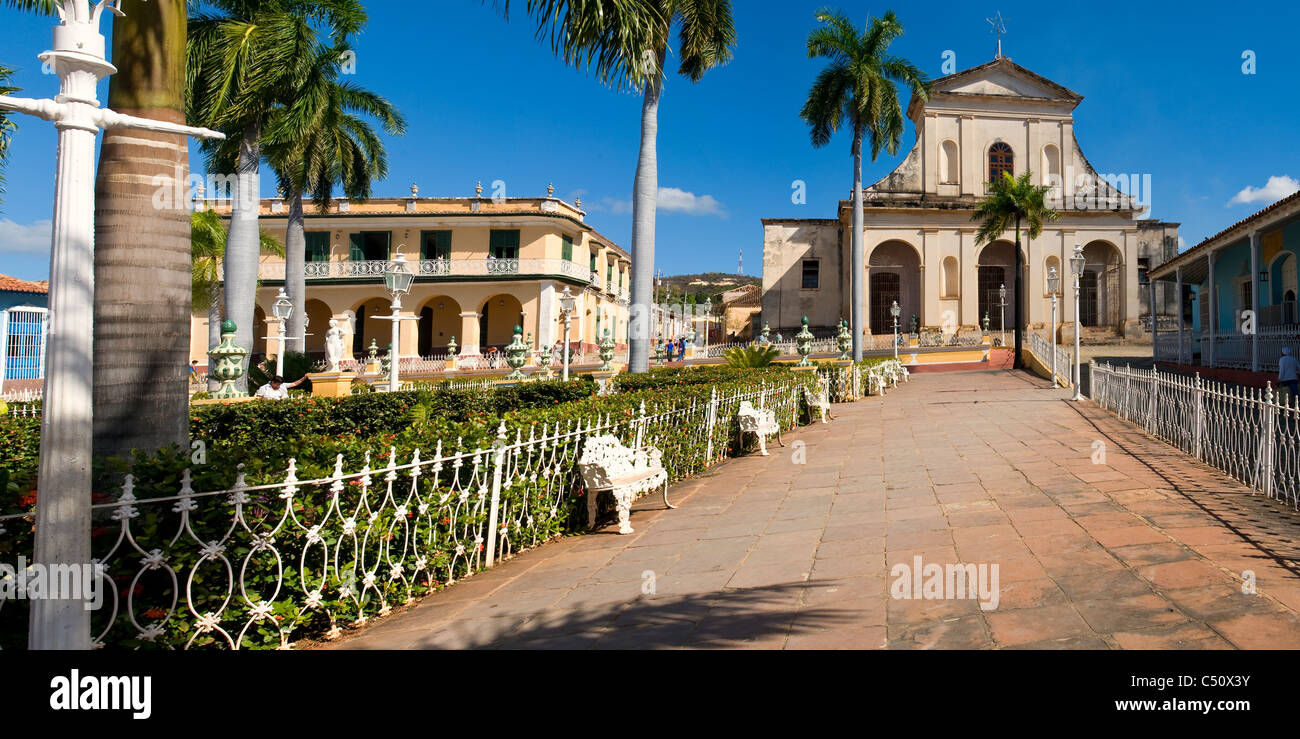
(318, 246)
(504, 244)
(593, 262)
(568, 248)
(435, 245)
(356, 247)
(609, 274)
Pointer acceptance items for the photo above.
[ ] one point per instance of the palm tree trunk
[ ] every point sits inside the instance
(143, 274)
(1020, 299)
(295, 276)
(243, 245)
(645, 196)
(858, 258)
(214, 330)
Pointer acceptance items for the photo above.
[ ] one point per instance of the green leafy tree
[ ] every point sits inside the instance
(321, 142)
(7, 127)
(859, 87)
(627, 43)
(1013, 201)
(246, 60)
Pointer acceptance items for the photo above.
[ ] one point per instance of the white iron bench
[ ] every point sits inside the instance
(820, 398)
(607, 465)
(759, 422)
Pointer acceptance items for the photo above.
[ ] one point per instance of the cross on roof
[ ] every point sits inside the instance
(999, 29)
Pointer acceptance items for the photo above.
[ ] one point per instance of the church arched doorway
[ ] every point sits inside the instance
(894, 273)
(996, 270)
(1101, 286)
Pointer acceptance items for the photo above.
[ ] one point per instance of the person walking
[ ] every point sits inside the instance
(276, 389)
(1288, 372)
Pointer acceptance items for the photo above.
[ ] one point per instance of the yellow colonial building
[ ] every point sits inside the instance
(482, 266)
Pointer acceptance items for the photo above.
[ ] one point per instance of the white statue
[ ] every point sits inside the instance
(334, 345)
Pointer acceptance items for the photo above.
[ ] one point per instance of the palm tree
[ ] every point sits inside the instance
(243, 61)
(629, 45)
(1011, 202)
(7, 127)
(207, 246)
(142, 243)
(316, 144)
(860, 86)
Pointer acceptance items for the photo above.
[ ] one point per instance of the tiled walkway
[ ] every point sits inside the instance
(1145, 550)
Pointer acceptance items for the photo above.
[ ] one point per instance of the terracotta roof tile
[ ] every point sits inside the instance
(15, 285)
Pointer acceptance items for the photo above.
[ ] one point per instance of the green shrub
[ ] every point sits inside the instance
(752, 356)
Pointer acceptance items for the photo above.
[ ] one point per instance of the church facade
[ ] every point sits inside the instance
(920, 239)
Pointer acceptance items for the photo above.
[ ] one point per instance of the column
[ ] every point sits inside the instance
(1178, 306)
(1213, 316)
(272, 347)
(968, 286)
(408, 336)
(972, 170)
(1155, 325)
(546, 314)
(931, 311)
(346, 330)
(1254, 300)
(469, 339)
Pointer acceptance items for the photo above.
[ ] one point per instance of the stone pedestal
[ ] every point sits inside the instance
(602, 379)
(331, 384)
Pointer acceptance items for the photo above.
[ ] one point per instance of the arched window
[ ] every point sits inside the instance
(1001, 159)
(949, 163)
(950, 277)
(1051, 165)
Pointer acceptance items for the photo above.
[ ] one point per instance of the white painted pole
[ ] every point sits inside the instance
(566, 346)
(1053, 330)
(394, 355)
(63, 510)
(279, 356)
(1078, 372)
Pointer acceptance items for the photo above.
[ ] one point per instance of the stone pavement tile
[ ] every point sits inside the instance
(1053, 527)
(955, 633)
(863, 565)
(919, 610)
(545, 580)
(737, 629)
(1027, 594)
(1183, 635)
(642, 554)
(1139, 555)
(960, 519)
(1099, 522)
(919, 540)
(672, 536)
(1014, 569)
(871, 637)
(1194, 535)
(560, 642)
(691, 583)
(464, 634)
(575, 559)
(1126, 614)
(1190, 573)
(795, 524)
(937, 555)
(1036, 624)
(1222, 601)
(1072, 563)
(1057, 544)
(608, 538)
(1279, 629)
(1100, 584)
(1069, 642)
(730, 529)
(1129, 536)
(522, 603)
(713, 554)
(851, 547)
(816, 592)
(633, 571)
(929, 511)
(600, 594)
(658, 636)
(1034, 513)
(913, 525)
(763, 575)
(1180, 520)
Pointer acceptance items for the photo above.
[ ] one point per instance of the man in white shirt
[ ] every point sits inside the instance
(276, 389)
(1288, 371)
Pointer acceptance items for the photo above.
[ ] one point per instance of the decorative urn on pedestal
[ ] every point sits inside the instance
(607, 353)
(767, 333)
(803, 344)
(228, 361)
(517, 355)
(844, 341)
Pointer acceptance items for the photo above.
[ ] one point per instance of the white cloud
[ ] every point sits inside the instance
(1278, 187)
(1182, 244)
(671, 200)
(33, 238)
(674, 200)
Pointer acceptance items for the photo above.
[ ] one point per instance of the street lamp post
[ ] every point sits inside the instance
(568, 304)
(397, 280)
(708, 324)
(1053, 283)
(1076, 269)
(282, 309)
(63, 513)
(1002, 312)
(894, 311)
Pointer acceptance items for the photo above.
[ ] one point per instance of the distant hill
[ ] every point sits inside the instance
(710, 285)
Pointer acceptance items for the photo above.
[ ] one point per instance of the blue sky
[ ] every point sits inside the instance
(1163, 84)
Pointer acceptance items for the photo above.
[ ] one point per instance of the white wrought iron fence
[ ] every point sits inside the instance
(260, 565)
(1252, 434)
(22, 396)
(1064, 364)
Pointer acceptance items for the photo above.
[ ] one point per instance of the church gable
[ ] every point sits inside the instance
(1003, 77)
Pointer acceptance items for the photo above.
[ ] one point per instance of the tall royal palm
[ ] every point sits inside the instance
(243, 61)
(859, 87)
(629, 42)
(1013, 201)
(320, 142)
(7, 127)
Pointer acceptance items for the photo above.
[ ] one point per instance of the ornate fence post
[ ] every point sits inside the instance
(1153, 405)
(1198, 432)
(498, 462)
(640, 427)
(1266, 440)
(712, 421)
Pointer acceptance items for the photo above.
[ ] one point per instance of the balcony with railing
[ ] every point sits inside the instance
(438, 269)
